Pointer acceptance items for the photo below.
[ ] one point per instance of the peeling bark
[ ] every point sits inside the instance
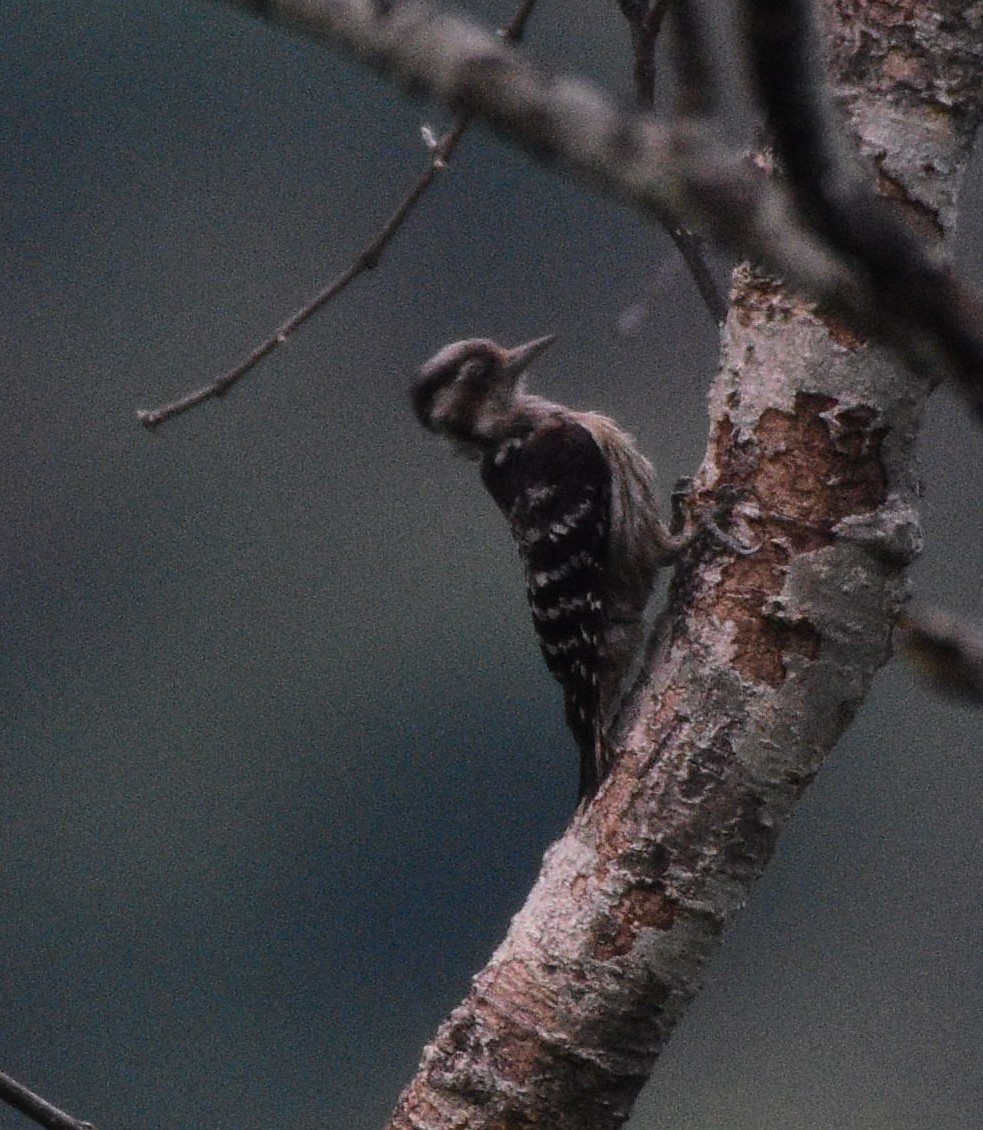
(907, 75)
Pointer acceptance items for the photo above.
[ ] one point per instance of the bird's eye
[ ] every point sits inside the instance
(477, 370)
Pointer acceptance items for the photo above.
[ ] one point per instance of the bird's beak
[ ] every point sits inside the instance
(519, 358)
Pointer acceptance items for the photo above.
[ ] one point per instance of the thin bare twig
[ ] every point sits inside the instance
(36, 1108)
(367, 259)
(696, 85)
(645, 22)
(691, 248)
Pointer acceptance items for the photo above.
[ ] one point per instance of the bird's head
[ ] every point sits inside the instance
(468, 390)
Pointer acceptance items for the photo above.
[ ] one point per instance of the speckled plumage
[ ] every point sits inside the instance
(579, 501)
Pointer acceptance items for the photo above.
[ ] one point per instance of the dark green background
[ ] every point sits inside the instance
(279, 755)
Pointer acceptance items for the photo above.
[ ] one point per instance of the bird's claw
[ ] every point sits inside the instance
(725, 498)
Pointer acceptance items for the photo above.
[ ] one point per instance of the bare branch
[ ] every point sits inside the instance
(37, 1109)
(682, 173)
(691, 247)
(441, 152)
(644, 22)
(696, 95)
(367, 259)
(645, 19)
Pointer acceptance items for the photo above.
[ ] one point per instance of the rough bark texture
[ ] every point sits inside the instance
(908, 77)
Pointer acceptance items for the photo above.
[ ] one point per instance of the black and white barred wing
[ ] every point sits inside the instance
(554, 486)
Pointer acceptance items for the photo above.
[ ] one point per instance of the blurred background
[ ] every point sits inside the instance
(279, 755)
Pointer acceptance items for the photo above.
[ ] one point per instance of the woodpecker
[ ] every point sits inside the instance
(579, 500)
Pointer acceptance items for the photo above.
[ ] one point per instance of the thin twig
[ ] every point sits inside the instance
(441, 152)
(696, 85)
(644, 22)
(36, 1108)
(690, 247)
(366, 260)
(645, 19)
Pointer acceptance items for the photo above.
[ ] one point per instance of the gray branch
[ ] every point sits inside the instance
(682, 172)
